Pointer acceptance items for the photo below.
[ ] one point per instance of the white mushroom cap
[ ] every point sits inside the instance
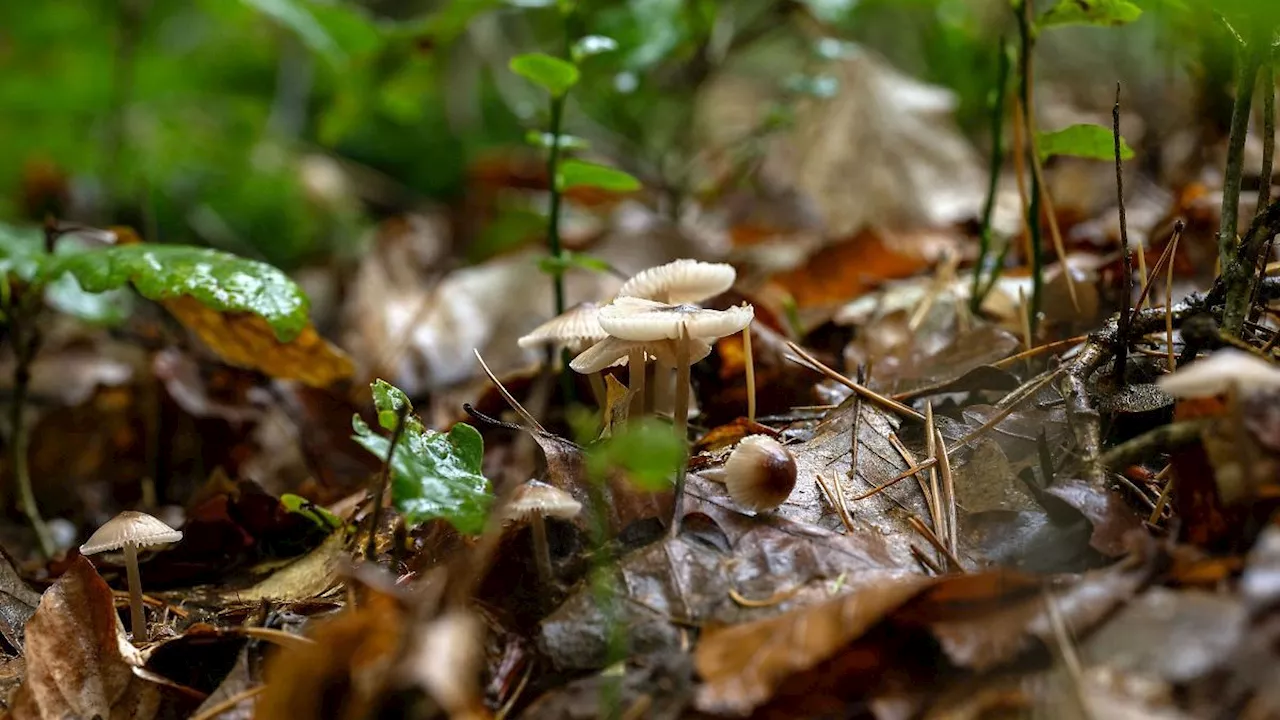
(130, 528)
(539, 498)
(612, 351)
(681, 281)
(645, 320)
(577, 326)
(1220, 371)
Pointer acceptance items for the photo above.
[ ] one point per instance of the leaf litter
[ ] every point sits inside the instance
(989, 514)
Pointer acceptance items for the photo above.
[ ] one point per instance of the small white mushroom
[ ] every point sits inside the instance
(533, 502)
(129, 531)
(575, 330)
(1220, 373)
(760, 473)
(680, 281)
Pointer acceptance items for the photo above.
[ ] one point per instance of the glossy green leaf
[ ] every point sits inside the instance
(215, 279)
(315, 513)
(592, 45)
(107, 308)
(433, 474)
(1085, 141)
(552, 74)
(21, 251)
(647, 451)
(544, 140)
(1089, 12)
(577, 173)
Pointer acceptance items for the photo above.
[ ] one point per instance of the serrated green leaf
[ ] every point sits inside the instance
(545, 139)
(577, 173)
(433, 474)
(215, 279)
(592, 45)
(552, 74)
(1085, 141)
(1089, 12)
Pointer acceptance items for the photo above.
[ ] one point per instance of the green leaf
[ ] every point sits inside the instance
(1086, 141)
(315, 513)
(215, 279)
(298, 18)
(831, 11)
(1089, 12)
(592, 45)
(647, 451)
(21, 251)
(108, 308)
(569, 260)
(576, 173)
(545, 139)
(552, 74)
(433, 474)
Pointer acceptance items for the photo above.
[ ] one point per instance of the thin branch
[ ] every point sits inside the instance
(993, 178)
(1122, 341)
(384, 479)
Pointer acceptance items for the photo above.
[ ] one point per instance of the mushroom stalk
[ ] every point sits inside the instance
(749, 360)
(138, 617)
(541, 548)
(635, 381)
(598, 390)
(681, 417)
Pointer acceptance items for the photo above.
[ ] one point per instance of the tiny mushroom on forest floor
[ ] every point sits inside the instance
(1226, 371)
(690, 326)
(683, 282)
(760, 473)
(535, 501)
(575, 330)
(131, 531)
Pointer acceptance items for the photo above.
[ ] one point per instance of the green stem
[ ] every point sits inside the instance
(553, 215)
(1023, 12)
(1238, 269)
(25, 351)
(997, 161)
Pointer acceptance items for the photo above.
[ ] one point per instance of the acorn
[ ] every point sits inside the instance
(760, 473)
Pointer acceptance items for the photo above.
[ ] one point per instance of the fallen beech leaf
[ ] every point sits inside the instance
(246, 340)
(17, 603)
(79, 664)
(308, 577)
(742, 665)
(840, 272)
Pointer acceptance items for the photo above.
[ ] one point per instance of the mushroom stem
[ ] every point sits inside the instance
(541, 548)
(138, 618)
(597, 389)
(749, 360)
(635, 380)
(681, 417)
(662, 374)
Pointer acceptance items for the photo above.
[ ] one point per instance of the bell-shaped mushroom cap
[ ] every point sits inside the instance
(539, 498)
(130, 528)
(1220, 371)
(760, 473)
(612, 351)
(681, 281)
(576, 327)
(645, 320)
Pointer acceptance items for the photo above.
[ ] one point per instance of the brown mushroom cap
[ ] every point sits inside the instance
(130, 528)
(539, 498)
(760, 473)
(645, 320)
(681, 281)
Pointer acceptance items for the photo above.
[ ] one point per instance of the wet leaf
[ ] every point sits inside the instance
(434, 474)
(79, 663)
(247, 341)
(17, 603)
(1092, 142)
(215, 279)
(552, 74)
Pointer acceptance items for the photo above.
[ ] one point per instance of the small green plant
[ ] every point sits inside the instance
(38, 274)
(433, 474)
(557, 76)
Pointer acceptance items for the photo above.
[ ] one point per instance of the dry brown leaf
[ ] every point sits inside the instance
(841, 272)
(246, 340)
(742, 665)
(79, 664)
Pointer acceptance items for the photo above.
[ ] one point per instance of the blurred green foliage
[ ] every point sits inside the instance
(192, 120)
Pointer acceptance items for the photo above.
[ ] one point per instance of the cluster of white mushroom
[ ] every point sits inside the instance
(655, 317)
